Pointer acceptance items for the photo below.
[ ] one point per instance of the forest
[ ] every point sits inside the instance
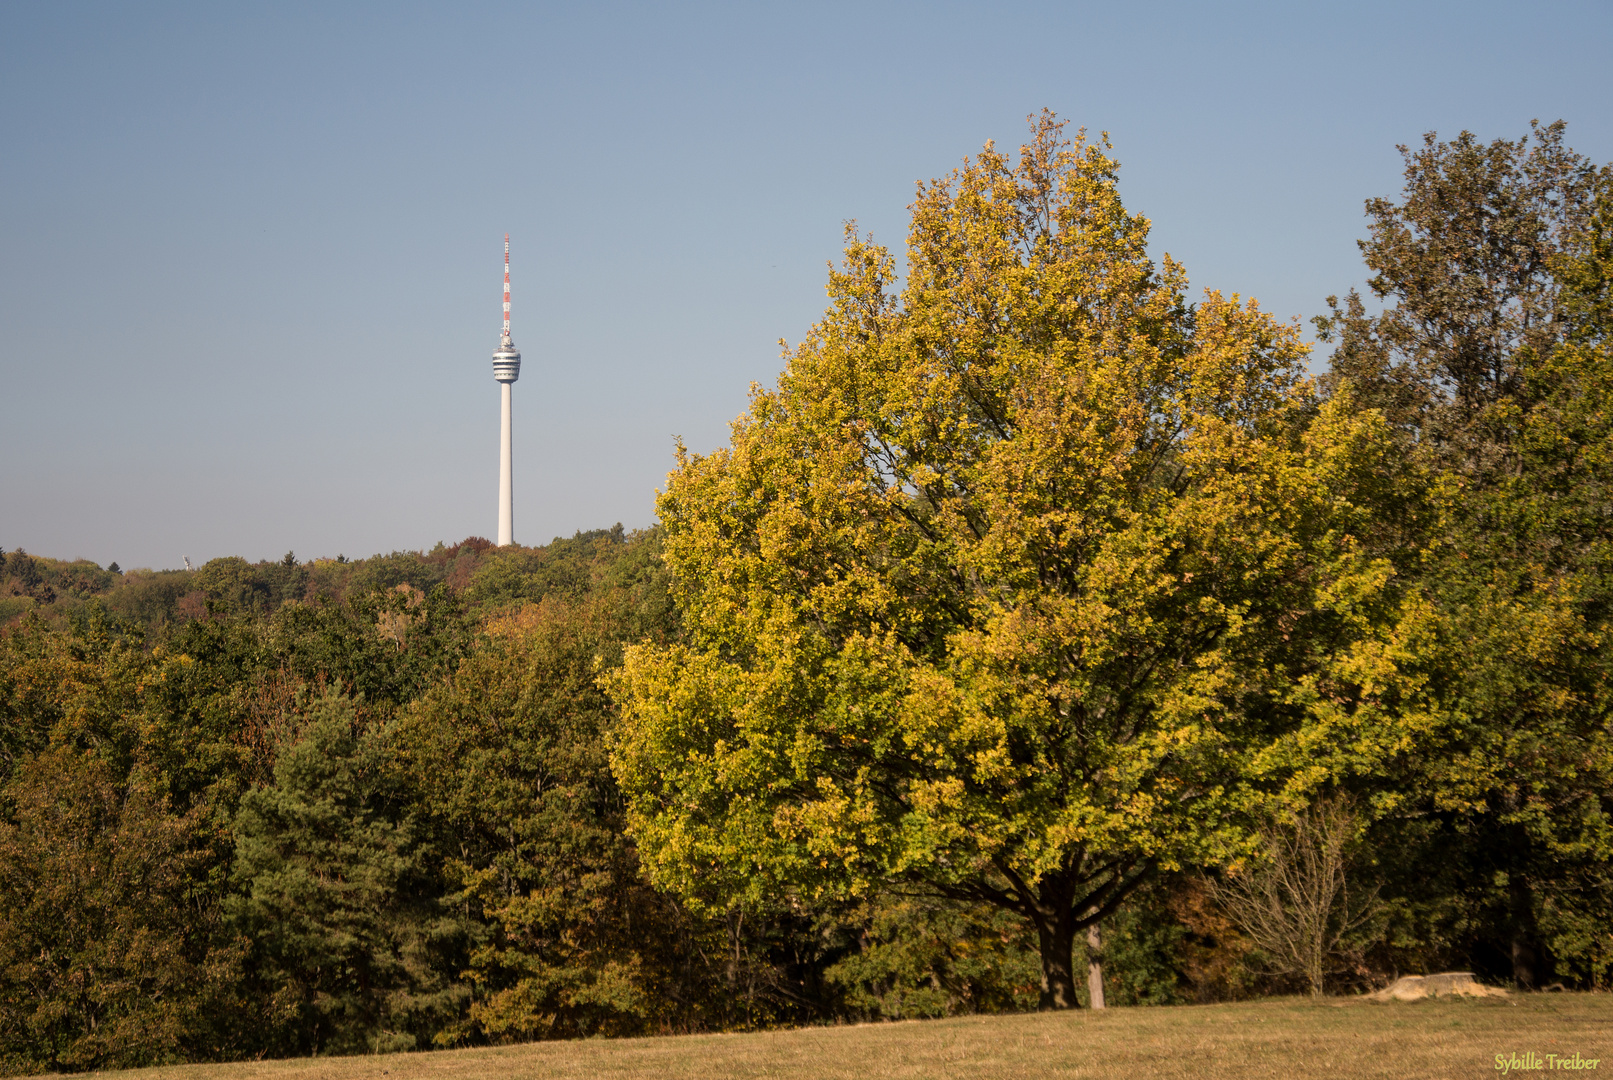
(1045, 632)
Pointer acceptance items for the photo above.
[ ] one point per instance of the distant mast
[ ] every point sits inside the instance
(506, 369)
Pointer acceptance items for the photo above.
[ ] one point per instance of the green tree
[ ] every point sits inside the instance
(1491, 355)
(508, 764)
(151, 598)
(1005, 589)
(920, 956)
(1466, 263)
(508, 759)
(344, 936)
(110, 956)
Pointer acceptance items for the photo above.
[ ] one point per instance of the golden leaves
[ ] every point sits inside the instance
(1010, 568)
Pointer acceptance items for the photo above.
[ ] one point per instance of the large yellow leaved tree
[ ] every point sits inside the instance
(1016, 589)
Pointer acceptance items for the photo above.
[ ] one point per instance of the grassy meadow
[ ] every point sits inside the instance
(1291, 1037)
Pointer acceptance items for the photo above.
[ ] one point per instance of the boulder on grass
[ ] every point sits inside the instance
(1445, 984)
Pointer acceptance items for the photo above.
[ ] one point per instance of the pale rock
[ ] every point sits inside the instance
(1445, 984)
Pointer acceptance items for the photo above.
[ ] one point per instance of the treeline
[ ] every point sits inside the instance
(55, 591)
(288, 808)
(1036, 598)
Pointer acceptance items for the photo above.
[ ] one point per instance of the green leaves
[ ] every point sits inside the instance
(328, 870)
(1478, 719)
(1004, 586)
(108, 958)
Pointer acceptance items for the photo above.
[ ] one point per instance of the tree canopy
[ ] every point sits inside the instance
(1490, 355)
(1014, 587)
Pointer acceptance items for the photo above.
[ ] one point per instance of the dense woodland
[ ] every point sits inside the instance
(1335, 703)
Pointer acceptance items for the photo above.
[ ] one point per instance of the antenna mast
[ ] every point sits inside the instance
(506, 286)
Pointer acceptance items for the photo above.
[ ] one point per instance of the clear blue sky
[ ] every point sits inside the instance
(250, 255)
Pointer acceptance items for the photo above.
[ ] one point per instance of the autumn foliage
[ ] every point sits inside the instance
(1040, 593)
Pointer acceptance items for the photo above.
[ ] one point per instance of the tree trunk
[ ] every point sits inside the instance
(1095, 966)
(1525, 956)
(1057, 940)
(1523, 962)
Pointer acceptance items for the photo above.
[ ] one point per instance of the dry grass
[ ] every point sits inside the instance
(1342, 1039)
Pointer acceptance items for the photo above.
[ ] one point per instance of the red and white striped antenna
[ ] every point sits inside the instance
(506, 286)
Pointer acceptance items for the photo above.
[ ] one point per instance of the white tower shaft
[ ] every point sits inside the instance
(506, 493)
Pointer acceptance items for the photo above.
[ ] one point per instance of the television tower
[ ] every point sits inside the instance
(506, 369)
